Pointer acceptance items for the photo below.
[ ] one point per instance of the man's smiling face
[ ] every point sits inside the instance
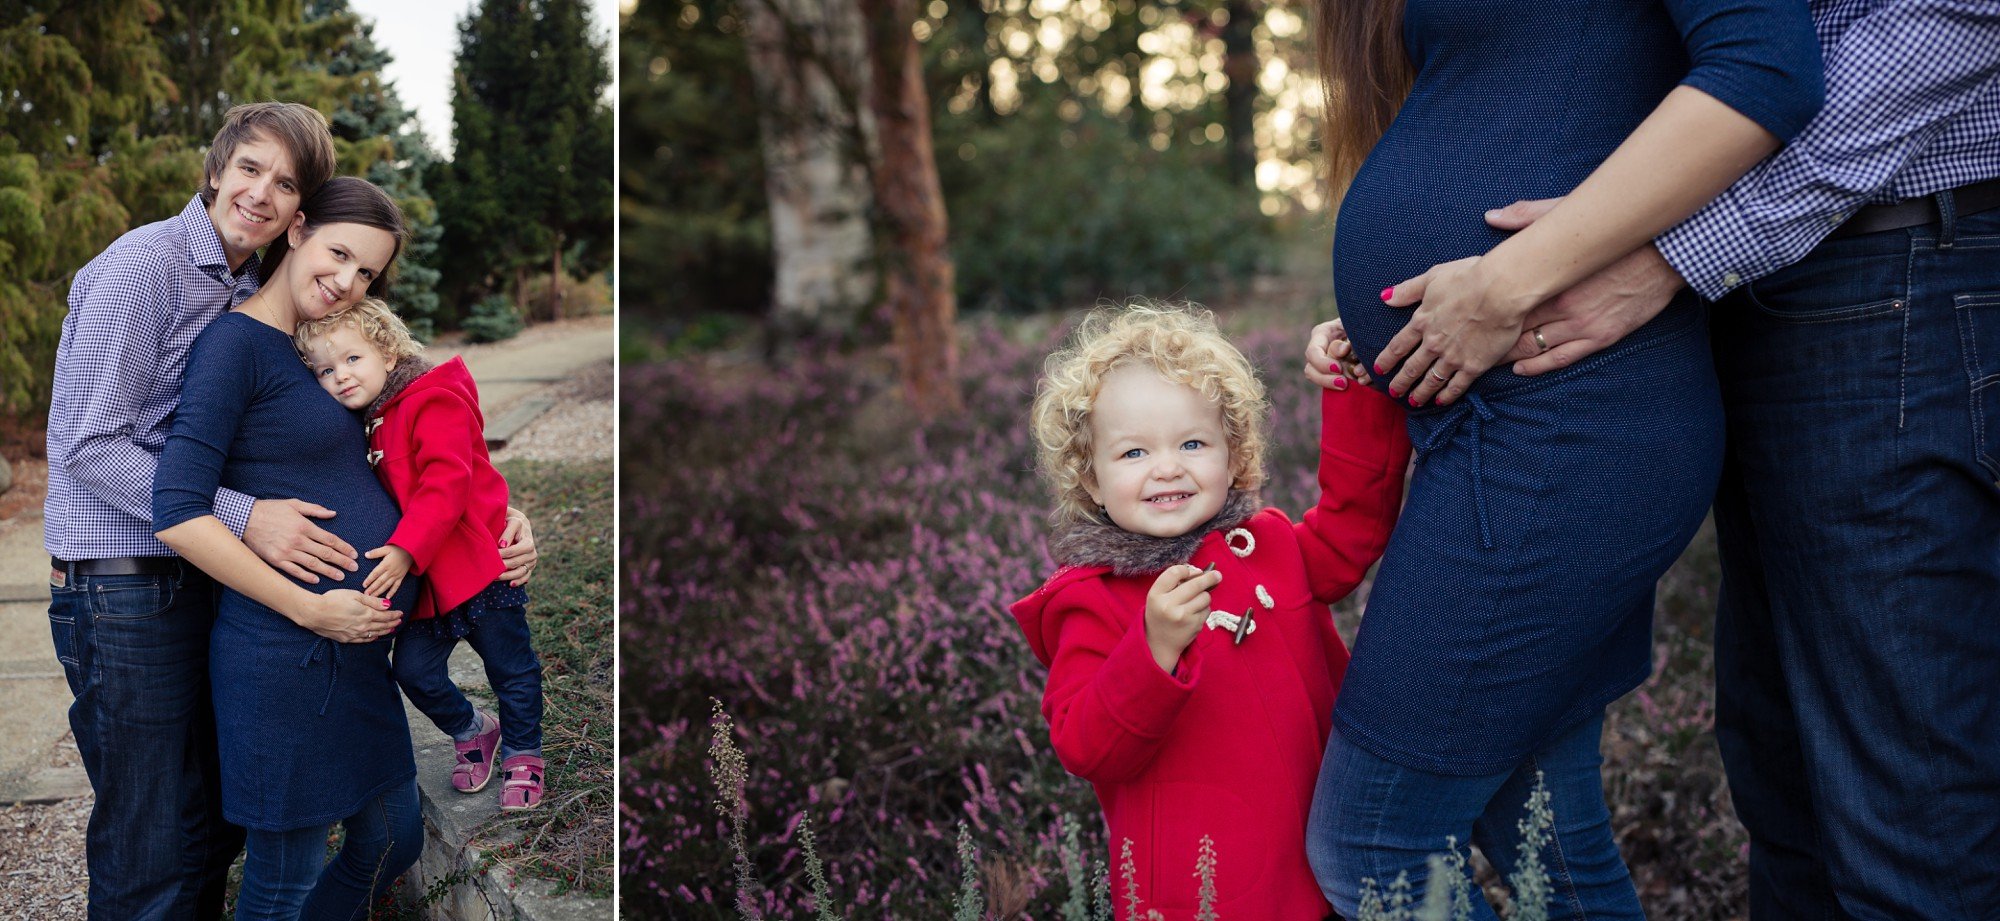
(255, 197)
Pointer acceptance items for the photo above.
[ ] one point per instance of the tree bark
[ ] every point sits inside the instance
(918, 270)
(808, 62)
(556, 281)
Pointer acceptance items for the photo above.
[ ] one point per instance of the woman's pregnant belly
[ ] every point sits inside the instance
(1421, 200)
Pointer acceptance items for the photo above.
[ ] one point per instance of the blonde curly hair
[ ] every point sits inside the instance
(1181, 343)
(373, 319)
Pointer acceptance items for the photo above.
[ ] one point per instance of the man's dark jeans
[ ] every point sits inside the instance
(135, 651)
(1858, 637)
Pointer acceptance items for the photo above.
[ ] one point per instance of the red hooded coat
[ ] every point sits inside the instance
(1229, 745)
(429, 449)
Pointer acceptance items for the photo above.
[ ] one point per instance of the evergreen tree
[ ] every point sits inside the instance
(530, 179)
(384, 147)
(74, 172)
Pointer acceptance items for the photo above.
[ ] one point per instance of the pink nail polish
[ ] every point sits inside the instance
(385, 604)
(1378, 367)
(1413, 401)
(503, 543)
(1388, 292)
(1394, 392)
(1340, 383)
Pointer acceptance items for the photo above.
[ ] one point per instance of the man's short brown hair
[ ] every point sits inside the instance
(300, 129)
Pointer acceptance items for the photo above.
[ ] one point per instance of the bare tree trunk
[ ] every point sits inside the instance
(808, 62)
(919, 284)
(556, 281)
(1239, 64)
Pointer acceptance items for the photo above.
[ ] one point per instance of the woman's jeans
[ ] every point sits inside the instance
(513, 671)
(135, 652)
(286, 874)
(1374, 820)
(1858, 637)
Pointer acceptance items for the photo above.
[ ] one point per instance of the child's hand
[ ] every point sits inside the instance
(1330, 360)
(1176, 608)
(387, 576)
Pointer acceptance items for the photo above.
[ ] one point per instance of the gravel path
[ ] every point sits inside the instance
(41, 853)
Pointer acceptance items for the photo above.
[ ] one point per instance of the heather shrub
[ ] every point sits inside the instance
(837, 575)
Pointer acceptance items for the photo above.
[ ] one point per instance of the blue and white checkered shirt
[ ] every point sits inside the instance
(1912, 108)
(134, 312)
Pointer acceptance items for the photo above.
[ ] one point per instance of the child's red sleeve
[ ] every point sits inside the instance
(443, 432)
(1364, 453)
(1108, 704)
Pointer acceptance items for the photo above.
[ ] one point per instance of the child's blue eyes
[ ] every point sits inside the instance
(329, 369)
(1192, 444)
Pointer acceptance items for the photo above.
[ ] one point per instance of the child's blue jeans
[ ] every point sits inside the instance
(1376, 820)
(514, 672)
(286, 874)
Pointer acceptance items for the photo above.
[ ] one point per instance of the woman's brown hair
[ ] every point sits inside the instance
(345, 200)
(1365, 74)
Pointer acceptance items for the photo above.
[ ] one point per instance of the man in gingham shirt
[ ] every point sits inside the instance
(130, 621)
(1856, 281)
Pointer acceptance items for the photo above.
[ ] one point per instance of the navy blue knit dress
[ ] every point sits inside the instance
(309, 729)
(1515, 599)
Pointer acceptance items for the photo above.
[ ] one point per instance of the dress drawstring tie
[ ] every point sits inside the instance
(333, 660)
(1473, 413)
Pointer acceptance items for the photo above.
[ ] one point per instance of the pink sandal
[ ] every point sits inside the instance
(475, 758)
(522, 786)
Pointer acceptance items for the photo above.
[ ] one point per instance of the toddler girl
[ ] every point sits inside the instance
(1192, 660)
(427, 441)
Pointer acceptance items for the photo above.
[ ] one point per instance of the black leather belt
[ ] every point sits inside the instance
(1916, 212)
(122, 566)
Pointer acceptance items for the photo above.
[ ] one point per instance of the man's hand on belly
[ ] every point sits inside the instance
(282, 533)
(1594, 314)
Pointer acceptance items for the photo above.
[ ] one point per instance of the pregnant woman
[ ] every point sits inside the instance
(308, 720)
(1515, 599)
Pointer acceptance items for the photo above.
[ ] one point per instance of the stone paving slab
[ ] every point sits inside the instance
(501, 430)
(48, 785)
(34, 699)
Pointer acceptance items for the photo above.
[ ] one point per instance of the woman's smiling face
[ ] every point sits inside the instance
(331, 266)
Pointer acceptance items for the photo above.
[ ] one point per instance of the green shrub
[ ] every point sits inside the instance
(1045, 212)
(494, 318)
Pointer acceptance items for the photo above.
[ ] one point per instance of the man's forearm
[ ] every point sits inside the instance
(207, 543)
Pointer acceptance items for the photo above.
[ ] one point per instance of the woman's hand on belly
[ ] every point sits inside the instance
(1466, 321)
(347, 616)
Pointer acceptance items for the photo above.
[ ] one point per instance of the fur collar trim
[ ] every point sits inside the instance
(401, 376)
(1095, 542)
